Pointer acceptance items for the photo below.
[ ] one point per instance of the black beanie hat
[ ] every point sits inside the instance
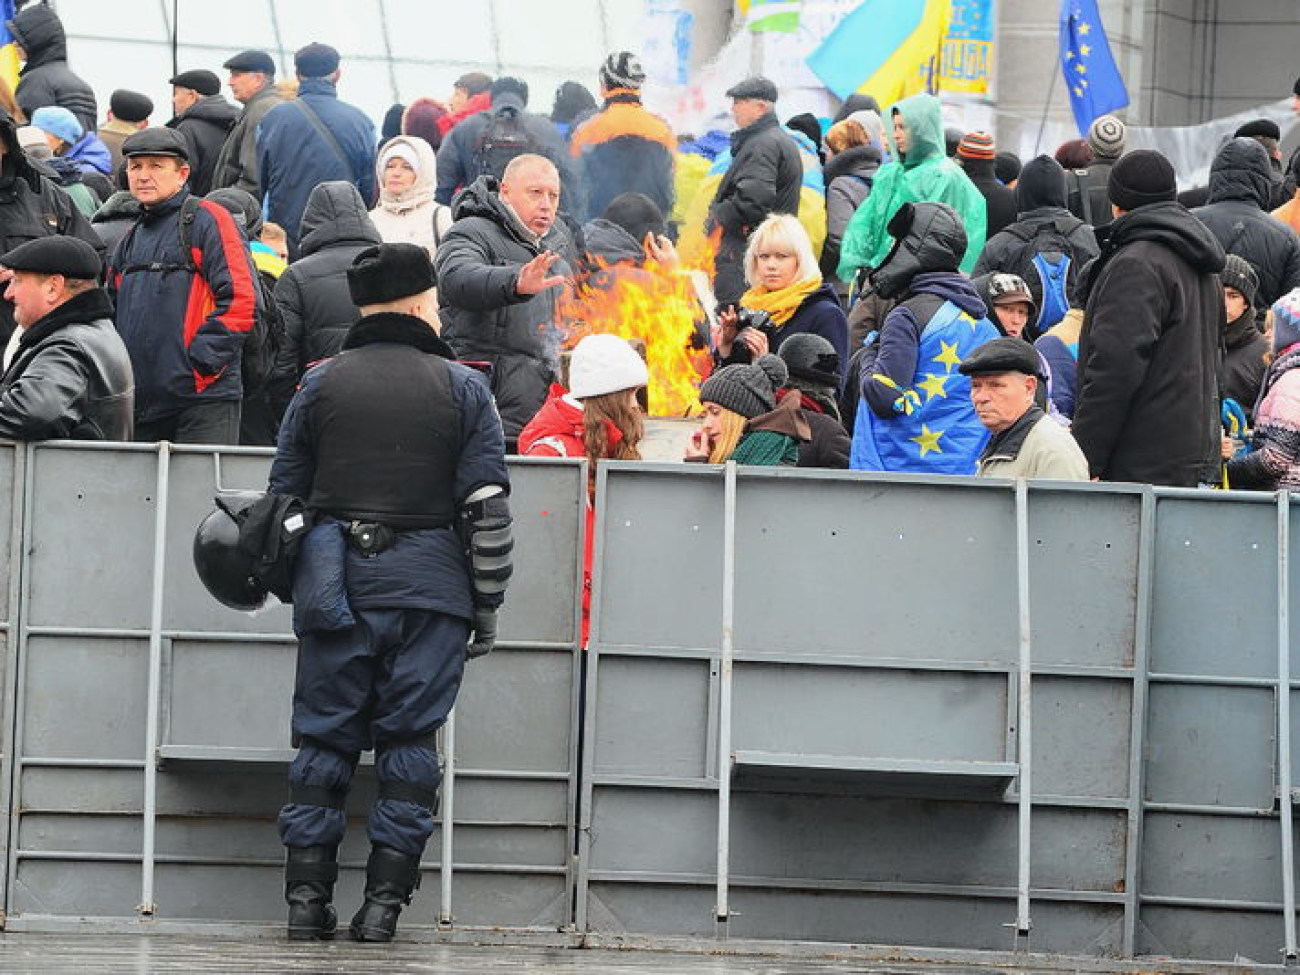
(812, 359)
(747, 390)
(637, 214)
(389, 272)
(1006, 166)
(130, 106)
(807, 123)
(1141, 177)
(1042, 184)
(1239, 274)
(392, 124)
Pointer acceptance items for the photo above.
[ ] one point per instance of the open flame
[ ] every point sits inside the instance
(661, 308)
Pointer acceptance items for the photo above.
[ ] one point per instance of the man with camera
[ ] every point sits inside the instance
(397, 451)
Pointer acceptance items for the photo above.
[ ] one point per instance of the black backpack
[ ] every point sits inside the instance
(1046, 263)
(264, 340)
(505, 137)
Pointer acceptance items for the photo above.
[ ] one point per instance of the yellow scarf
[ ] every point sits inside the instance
(782, 304)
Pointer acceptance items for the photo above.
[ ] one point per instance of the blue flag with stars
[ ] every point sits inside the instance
(1091, 77)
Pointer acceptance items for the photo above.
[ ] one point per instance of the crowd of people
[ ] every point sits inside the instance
(225, 236)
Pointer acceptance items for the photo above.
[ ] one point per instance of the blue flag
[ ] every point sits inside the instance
(1091, 77)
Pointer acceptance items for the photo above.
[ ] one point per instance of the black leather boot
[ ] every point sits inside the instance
(390, 879)
(309, 875)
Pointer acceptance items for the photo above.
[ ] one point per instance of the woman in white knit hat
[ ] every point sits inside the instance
(407, 213)
(598, 417)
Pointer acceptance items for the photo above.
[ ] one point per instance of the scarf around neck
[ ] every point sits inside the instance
(783, 303)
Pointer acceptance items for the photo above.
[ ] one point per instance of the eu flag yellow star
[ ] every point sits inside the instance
(1081, 68)
(948, 355)
(933, 384)
(1085, 28)
(928, 440)
(1078, 92)
(1069, 55)
(1085, 50)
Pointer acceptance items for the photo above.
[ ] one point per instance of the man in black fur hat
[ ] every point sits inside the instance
(398, 452)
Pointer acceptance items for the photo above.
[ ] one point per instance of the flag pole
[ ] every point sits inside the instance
(1047, 106)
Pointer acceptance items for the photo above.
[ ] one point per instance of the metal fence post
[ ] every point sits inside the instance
(153, 701)
(448, 815)
(1284, 720)
(1024, 718)
(722, 911)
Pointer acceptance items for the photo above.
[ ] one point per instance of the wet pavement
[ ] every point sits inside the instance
(118, 954)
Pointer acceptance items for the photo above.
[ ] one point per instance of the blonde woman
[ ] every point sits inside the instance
(746, 419)
(786, 284)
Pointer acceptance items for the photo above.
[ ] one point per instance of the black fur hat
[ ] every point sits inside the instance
(388, 272)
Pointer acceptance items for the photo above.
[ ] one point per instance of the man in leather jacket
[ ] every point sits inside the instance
(70, 377)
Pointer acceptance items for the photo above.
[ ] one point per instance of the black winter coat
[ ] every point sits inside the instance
(1147, 402)
(764, 177)
(31, 206)
(1243, 361)
(1241, 189)
(1009, 252)
(830, 445)
(484, 318)
(70, 378)
(999, 201)
(205, 125)
(312, 294)
(46, 78)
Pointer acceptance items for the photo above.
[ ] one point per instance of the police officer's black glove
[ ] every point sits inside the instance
(485, 633)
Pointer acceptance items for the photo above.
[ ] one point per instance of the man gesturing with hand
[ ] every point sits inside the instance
(501, 271)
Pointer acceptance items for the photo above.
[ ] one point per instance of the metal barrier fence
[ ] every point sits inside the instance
(147, 727)
(827, 707)
(958, 715)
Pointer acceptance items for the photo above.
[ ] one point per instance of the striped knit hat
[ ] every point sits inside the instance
(1107, 135)
(976, 145)
(622, 69)
(1286, 321)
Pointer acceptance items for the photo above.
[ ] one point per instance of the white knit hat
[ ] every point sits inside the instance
(603, 364)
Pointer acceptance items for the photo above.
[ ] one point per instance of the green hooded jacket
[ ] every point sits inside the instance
(925, 173)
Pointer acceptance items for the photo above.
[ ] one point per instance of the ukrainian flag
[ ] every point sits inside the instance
(8, 49)
(886, 48)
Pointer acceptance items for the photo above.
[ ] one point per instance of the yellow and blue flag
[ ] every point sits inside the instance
(1092, 80)
(886, 48)
(8, 48)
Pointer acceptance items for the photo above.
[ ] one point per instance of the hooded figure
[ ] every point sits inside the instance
(410, 216)
(1241, 190)
(920, 172)
(31, 206)
(312, 294)
(915, 412)
(46, 78)
(1044, 227)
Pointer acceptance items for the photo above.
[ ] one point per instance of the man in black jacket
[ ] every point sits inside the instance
(70, 377)
(252, 82)
(31, 206)
(500, 268)
(205, 119)
(1241, 189)
(976, 153)
(46, 78)
(1147, 408)
(764, 177)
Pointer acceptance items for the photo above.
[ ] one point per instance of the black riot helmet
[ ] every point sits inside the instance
(225, 568)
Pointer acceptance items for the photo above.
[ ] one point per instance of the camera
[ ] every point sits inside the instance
(758, 320)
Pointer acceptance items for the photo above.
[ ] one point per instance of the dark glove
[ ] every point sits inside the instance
(485, 633)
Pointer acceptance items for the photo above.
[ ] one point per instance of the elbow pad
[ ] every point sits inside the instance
(486, 522)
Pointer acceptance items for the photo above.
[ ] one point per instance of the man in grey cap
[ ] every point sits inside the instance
(311, 140)
(764, 177)
(252, 82)
(1026, 442)
(187, 297)
(70, 377)
(205, 119)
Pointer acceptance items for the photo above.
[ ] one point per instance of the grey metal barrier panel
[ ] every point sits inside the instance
(809, 701)
(152, 724)
(11, 476)
(1217, 857)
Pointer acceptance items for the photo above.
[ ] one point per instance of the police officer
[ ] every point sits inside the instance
(399, 453)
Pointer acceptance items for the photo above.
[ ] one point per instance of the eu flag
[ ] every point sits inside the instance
(1091, 77)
